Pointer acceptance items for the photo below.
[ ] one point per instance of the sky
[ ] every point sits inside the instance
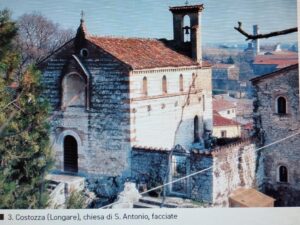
(152, 18)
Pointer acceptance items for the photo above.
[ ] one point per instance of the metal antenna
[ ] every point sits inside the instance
(82, 15)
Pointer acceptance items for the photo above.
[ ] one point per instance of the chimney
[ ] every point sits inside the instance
(256, 43)
(194, 14)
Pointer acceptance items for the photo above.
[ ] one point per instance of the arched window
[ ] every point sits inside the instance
(186, 28)
(180, 82)
(145, 86)
(164, 85)
(281, 105)
(73, 91)
(283, 174)
(196, 129)
(193, 80)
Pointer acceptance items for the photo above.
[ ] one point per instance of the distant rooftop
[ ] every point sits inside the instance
(280, 59)
(220, 121)
(220, 104)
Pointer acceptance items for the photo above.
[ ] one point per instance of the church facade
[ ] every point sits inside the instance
(111, 94)
(140, 109)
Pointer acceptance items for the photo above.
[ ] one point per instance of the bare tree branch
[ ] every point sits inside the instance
(260, 36)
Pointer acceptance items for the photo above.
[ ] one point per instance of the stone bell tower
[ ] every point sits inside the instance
(194, 14)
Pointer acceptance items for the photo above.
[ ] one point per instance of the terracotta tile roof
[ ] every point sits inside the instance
(220, 104)
(249, 197)
(142, 53)
(281, 60)
(248, 126)
(220, 121)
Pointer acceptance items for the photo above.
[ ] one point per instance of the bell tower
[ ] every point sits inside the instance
(193, 12)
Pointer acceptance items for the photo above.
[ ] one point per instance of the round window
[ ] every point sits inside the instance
(84, 52)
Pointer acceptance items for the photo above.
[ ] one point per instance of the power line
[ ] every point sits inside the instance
(206, 169)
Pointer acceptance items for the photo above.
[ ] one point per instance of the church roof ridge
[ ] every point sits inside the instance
(122, 37)
(142, 53)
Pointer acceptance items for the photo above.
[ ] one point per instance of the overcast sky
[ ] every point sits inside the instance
(151, 18)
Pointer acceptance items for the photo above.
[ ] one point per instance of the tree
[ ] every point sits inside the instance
(25, 154)
(230, 60)
(268, 35)
(39, 37)
(8, 57)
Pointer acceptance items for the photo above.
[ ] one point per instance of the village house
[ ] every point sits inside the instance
(225, 77)
(225, 128)
(141, 109)
(276, 116)
(224, 107)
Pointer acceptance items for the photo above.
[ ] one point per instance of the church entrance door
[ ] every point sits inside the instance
(70, 154)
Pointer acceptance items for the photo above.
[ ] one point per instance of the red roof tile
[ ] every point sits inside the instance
(219, 121)
(281, 60)
(222, 104)
(248, 126)
(142, 53)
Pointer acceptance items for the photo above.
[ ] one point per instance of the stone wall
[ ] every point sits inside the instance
(230, 167)
(233, 166)
(271, 127)
(101, 127)
(202, 184)
(145, 163)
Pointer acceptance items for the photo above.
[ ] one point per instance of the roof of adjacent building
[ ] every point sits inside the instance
(278, 72)
(142, 53)
(220, 104)
(222, 66)
(249, 197)
(248, 126)
(281, 59)
(220, 121)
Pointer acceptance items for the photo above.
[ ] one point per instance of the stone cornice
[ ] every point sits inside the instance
(169, 69)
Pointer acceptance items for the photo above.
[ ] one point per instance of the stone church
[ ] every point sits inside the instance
(140, 109)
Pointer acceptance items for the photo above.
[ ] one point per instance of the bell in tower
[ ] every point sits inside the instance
(191, 32)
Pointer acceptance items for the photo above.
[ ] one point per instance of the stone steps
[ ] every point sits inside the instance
(157, 202)
(150, 202)
(170, 202)
(144, 205)
(51, 186)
